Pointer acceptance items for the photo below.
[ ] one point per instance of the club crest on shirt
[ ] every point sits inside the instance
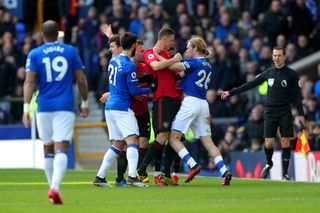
(150, 56)
(284, 83)
(270, 82)
(134, 75)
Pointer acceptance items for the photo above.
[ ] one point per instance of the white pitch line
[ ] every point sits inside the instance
(44, 183)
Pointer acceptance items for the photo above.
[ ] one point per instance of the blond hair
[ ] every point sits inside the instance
(198, 43)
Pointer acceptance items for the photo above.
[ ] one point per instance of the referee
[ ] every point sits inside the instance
(283, 89)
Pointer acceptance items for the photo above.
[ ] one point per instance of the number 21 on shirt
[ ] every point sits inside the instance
(113, 74)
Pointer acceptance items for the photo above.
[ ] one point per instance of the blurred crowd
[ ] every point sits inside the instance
(240, 35)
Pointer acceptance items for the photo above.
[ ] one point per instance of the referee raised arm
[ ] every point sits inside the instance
(283, 89)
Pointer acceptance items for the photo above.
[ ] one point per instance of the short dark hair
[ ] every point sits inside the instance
(115, 39)
(140, 42)
(166, 31)
(50, 30)
(280, 48)
(127, 40)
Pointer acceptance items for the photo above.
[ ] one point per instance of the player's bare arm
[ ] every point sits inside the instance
(28, 88)
(159, 65)
(176, 66)
(224, 95)
(104, 98)
(83, 88)
(107, 30)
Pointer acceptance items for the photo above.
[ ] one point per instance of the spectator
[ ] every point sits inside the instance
(225, 27)
(221, 77)
(253, 130)
(237, 106)
(68, 17)
(118, 18)
(227, 145)
(159, 16)
(291, 53)
(274, 23)
(149, 35)
(184, 35)
(301, 23)
(303, 47)
(243, 60)
(254, 51)
(6, 23)
(89, 39)
(245, 24)
(252, 34)
(281, 41)
(313, 110)
(136, 25)
(252, 96)
(317, 85)
(7, 79)
(265, 60)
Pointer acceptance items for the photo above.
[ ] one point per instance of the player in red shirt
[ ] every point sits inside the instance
(140, 104)
(165, 105)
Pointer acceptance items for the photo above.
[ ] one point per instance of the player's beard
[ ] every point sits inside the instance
(133, 52)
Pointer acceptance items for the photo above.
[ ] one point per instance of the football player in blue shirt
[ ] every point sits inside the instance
(122, 124)
(52, 67)
(194, 111)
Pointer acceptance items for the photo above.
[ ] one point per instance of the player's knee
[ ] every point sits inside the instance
(285, 142)
(175, 137)
(269, 142)
(64, 145)
(48, 148)
(162, 137)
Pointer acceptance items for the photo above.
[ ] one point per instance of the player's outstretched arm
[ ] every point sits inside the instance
(159, 65)
(83, 88)
(28, 88)
(177, 66)
(107, 30)
(224, 95)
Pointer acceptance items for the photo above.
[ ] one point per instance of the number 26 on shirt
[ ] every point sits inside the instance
(204, 79)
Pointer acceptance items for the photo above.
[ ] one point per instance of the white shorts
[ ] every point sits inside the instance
(55, 126)
(121, 124)
(194, 113)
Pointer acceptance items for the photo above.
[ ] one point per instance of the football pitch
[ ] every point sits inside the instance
(25, 190)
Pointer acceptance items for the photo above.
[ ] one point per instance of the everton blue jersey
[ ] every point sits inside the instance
(197, 79)
(123, 83)
(54, 64)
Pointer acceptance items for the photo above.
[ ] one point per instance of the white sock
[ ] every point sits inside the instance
(132, 157)
(187, 158)
(48, 166)
(60, 163)
(108, 160)
(157, 173)
(218, 161)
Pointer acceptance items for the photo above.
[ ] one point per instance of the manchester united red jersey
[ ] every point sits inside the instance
(140, 107)
(165, 77)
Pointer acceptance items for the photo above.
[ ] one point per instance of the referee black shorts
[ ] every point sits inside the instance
(275, 117)
(144, 125)
(163, 113)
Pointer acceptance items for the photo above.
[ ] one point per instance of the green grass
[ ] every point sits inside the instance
(26, 191)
